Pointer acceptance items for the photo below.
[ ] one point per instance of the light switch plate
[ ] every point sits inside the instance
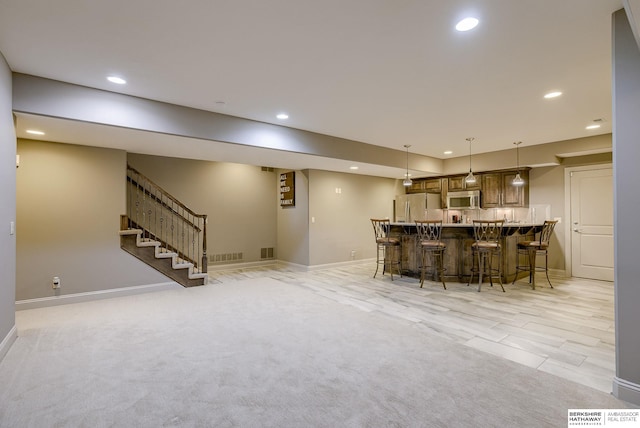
(12, 228)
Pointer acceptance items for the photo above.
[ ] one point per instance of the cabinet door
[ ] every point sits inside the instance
(417, 186)
(456, 183)
(433, 185)
(473, 186)
(491, 190)
(515, 196)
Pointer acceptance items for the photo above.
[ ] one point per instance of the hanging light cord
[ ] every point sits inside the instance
(407, 181)
(470, 178)
(518, 180)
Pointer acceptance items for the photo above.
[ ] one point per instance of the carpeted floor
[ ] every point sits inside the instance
(262, 353)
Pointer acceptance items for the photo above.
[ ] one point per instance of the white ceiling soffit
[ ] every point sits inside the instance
(151, 143)
(381, 72)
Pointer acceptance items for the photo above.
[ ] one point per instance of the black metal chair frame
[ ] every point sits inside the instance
(487, 246)
(533, 249)
(429, 242)
(387, 247)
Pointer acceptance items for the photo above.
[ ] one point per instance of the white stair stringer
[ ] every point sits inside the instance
(162, 253)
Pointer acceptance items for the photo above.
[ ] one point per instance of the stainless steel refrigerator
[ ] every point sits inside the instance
(412, 207)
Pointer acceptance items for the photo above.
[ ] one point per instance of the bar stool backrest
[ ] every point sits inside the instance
(487, 230)
(381, 228)
(429, 230)
(547, 231)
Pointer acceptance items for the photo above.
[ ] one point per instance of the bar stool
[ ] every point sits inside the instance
(387, 247)
(487, 234)
(532, 249)
(429, 243)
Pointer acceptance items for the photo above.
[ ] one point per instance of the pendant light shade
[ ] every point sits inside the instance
(470, 177)
(518, 181)
(407, 181)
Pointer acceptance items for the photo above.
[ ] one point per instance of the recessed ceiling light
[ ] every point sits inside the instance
(282, 116)
(34, 132)
(595, 126)
(353, 167)
(553, 94)
(448, 152)
(467, 24)
(116, 79)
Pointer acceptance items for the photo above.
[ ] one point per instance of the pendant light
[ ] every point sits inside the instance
(470, 177)
(518, 181)
(407, 181)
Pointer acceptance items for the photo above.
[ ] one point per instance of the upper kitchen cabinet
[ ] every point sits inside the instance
(498, 190)
(417, 186)
(433, 185)
(428, 185)
(458, 183)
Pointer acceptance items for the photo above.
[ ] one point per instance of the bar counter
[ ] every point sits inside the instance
(457, 257)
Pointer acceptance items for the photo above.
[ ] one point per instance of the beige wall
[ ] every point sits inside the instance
(555, 153)
(69, 202)
(240, 200)
(7, 210)
(342, 220)
(293, 223)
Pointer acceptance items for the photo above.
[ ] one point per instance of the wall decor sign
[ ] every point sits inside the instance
(288, 189)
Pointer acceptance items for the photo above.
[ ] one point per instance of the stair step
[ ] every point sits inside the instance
(161, 253)
(166, 255)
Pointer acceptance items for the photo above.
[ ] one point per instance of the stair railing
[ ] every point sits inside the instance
(165, 219)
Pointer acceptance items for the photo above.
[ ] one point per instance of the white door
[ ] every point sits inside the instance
(592, 224)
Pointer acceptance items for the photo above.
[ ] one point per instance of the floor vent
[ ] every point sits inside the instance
(268, 169)
(266, 253)
(225, 257)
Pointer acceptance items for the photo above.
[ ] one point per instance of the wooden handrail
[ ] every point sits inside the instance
(164, 204)
(165, 193)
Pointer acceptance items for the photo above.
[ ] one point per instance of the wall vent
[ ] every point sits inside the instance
(266, 253)
(268, 169)
(225, 257)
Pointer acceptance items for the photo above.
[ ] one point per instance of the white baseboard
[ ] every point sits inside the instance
(326, 265)
(627, 391)
(8, 341)
(66, 299)
(303, 268)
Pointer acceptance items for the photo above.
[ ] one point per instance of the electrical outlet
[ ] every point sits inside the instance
(56, 282)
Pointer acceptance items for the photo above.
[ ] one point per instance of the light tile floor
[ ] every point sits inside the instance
(567, 331)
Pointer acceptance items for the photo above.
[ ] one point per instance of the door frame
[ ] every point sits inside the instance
(568, 268)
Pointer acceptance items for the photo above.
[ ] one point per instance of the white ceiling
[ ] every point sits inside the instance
(383, 72)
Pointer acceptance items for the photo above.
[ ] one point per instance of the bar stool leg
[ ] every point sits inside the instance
(481, 262)
(423, 257)
(393, 253)
(440, 265)
(532, 267)
(546, 267)
(499, 254)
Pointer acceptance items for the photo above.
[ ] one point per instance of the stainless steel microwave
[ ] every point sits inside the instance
(463, 200)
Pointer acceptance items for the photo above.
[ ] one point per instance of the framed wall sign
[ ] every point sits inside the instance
(288, 189)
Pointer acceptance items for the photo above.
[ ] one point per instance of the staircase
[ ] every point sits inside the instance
(163, 233)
